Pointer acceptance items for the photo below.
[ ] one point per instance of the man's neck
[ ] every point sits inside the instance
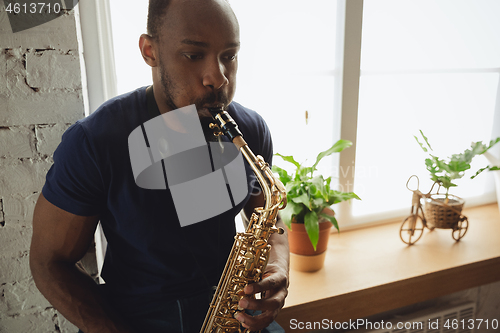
(160, 100)
(172, 121)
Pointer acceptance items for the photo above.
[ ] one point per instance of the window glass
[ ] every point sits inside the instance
(287, 67)
(430, 34)
(128, 19)
(430, 65)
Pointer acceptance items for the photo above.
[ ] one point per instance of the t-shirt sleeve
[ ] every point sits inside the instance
(74, 183)
(266, 143)
(260, 141)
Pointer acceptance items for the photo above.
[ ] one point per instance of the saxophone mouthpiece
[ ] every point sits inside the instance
(215, 111)
(227, 125)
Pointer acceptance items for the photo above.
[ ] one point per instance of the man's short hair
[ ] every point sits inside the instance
(156, 11)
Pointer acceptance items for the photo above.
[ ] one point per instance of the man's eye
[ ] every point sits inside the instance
(192, 56)
(231, 57)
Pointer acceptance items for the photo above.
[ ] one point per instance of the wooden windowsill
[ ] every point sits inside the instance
(369, 271)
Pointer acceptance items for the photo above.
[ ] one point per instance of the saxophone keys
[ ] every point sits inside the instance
(260, 244)
(216, 128)
(235, 307)
(280, 231)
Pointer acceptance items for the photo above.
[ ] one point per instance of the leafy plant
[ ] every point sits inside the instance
(446, 171)
(307, 195)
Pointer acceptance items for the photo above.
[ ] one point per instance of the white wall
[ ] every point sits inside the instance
(41, 94)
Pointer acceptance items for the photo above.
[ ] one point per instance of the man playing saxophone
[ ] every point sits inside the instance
(159, 276)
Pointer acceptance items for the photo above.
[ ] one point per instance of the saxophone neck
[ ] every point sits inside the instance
(226, 125)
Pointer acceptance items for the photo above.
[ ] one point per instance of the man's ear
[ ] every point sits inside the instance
(148, 50)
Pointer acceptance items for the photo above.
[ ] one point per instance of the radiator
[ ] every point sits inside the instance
(457, 318)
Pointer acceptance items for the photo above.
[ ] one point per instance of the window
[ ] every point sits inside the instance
(129, 19)
(374, 72)
(287, 67)
(430, 65)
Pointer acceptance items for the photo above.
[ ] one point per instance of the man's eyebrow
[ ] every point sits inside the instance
(235, 44)
(193, 42)
(203, 44)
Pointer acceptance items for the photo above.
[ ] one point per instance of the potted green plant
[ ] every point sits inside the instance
(309, 198)
(443, 211)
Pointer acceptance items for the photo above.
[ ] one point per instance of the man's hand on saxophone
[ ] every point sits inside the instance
(274, 288)
(274, 284)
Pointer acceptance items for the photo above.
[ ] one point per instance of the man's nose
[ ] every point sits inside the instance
(214, 76)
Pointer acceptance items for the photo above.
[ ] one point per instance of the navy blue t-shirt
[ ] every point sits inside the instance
(148, 252)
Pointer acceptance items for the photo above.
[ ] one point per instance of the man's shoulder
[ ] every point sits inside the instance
(120, 113)
(254, 129)
(120, 105)
(246, 118)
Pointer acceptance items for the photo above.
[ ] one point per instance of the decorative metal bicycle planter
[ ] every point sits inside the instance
(440, 211)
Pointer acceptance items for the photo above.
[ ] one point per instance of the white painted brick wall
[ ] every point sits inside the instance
(15, 240)
(40, 96)
(16, 142)
(25, 176)
(53, 69)
(15, 267)
(61, 107)
(2, 218)
(18, 209)
(45, 321)
(58, 34)
(21, 296)
(48, 137)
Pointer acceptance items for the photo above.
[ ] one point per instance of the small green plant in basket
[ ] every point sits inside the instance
(445, 171)
(309, 194)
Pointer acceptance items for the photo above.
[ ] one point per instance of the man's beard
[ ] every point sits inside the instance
(211, 98)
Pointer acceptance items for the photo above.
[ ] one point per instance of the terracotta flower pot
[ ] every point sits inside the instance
(300, 243)
(302, 255)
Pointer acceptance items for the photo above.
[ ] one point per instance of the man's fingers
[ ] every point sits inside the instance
(269, 283)
(249, 289)
(273, 289)
(257, 322)
(272, 302)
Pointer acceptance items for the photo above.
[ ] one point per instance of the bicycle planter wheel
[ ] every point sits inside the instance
(460, 229)
(412, 229)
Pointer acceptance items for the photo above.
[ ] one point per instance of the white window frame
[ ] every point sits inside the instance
(350, 21)
(95, 23)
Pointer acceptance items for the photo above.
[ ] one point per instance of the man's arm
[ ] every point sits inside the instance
(59, 240)
(275, 278)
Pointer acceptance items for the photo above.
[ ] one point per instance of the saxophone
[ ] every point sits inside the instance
(250, 252)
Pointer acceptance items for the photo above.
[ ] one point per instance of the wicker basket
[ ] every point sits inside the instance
(441, 215)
